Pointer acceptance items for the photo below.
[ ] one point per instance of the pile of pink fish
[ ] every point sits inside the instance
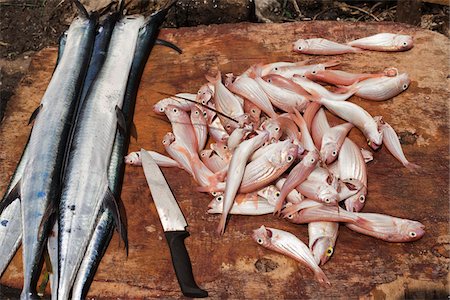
(272, 150)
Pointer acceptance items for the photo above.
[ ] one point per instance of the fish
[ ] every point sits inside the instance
(182, 128)
(288, 244)
(356, 115)
(384, 42)
(100, 115)
(238, 135)
(134, 159)
(177, 101)
(322, 238)
(320, 46)
(268, 167)
(244, 204)
(319, 126)
(268, 68)
(178, 153)
(392, 143)
(236, 173)
(226, 102)
(338, 77)
(213, 161)
(352, 169)
(273, 127)
(289, 71)
(253, 112)
(283, 99)
(251, 90)
(318, 186)
(294, 197)
(367, 155)
(332, 141)
(200, 127)
(382, 88)
(315, 88)
(217, 131)
(205, 93)
(39, 186)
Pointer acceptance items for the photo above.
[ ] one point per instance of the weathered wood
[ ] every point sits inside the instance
(234, 266)
(409, 11)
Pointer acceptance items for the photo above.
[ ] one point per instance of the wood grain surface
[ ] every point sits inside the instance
(234, 266)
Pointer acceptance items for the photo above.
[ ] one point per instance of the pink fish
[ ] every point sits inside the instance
(283, 99)
(182, 128)
(337, 77)
(310, 113)
(222, 150)
(198, 121)
(253, 111)
(288, 244)
(382, 88)
(332, 141)
(250, 89)
(181, 103)
(134, 158)
(217, 131)
(273, 127)
(285, 83)
(213, 161)
(319, 186)
(352, 166)
(244, 204)
(236, 173)
(357, 116)
(294, 197)
(300, 70)
(367, 155)
(384, 42)
(205, 93)
(177, 152)
(315, 88)
(273, 67)
(238, 135)
(392, 143)
(322, 238)
(268, 167)
(319, 126)
(319, 46)
(389, 229)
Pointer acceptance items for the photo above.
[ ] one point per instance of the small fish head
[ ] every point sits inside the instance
(160, 106)
(216, 205)
(132, 158)
(262, 236)
(328, 194)
(168, 139)
(311, 159)
(175, 114)
(410, 230)
(204, 94)
(356, 202)
(206, 153)
(375, 140)
(403, 81)
(403, 42)
(329, 153)
(322, 249)
(270, 193)
(273, 127)
(300, 46)
(229, 79)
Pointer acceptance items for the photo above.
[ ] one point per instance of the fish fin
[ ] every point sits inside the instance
(121, 120)
(112, 204)
(221, 227)
(34, 114)
(49, 212)
(412, 167)
(81, 9)
(133, 131)
(321, 277)
(10, 197)
(332, 63)
(168, 44)
(310, 113)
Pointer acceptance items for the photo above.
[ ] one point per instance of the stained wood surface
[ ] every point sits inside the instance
(234, 266)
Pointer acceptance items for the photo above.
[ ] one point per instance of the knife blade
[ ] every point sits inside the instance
(174, 225)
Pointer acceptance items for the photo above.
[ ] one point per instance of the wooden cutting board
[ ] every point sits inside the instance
(234, 266)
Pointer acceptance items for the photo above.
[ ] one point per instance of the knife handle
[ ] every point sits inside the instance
(182, 264)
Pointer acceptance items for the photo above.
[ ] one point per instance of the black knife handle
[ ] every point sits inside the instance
(182, 264)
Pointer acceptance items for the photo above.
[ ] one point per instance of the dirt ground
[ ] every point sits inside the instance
(26, 26)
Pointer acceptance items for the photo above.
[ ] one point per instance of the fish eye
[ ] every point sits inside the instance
(313, 160)
(220, 198)
(205, 114)
(405, 44)
(334, 153)
(199, 92)
(276, 128)
(175, 110)
(161, 109)
(259, 241)
(196, 112)
(245, 117)
(269, 80)
(329, 251)
(225, 147)
(277, 194)
(228, 126)
(313, 72)
(362, 198)
(299, 48)
(412, 234)
(290, 157)
(327, 200)
(290, 216)
(276, 69)
(405, 86)
(254, 111)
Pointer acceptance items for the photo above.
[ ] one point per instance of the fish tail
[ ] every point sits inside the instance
(412, 167)
(81, 9)
(221, 227)
(321, 277)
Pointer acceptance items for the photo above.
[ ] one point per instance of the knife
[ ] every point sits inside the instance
(174, 225)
